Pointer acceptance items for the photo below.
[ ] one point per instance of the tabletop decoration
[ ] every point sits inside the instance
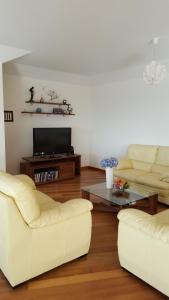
(120, 185)
(109, 164)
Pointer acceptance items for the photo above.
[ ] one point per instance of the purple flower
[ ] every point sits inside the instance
(109, 162)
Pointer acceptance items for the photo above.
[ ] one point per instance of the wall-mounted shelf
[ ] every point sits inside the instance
(46, 113)
(56, 111)
(46, 102)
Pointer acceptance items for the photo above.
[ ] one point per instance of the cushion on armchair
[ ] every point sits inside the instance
(23, 195)
(53, 212)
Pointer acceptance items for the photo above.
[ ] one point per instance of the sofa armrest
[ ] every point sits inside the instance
(26, 179)
(146, 223)
(123, 164)
(134, 217)
(63, 212)
(164, 177)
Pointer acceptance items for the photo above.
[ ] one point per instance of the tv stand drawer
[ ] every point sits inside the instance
(66, 170)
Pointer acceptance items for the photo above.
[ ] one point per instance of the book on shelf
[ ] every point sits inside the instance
(46, 176)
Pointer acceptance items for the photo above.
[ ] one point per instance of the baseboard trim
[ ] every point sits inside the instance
(85, 167)
(92, 168)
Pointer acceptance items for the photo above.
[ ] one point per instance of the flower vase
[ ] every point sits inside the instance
(109, 177)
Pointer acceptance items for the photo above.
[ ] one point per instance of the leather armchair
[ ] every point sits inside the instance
(143, 246)
(36, 232)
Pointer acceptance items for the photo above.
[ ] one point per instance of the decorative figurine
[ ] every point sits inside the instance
(39, 110)
(70, 110)
(32, 93)
(58, 111)
(64, 101)
(52, 94)
(41, 99)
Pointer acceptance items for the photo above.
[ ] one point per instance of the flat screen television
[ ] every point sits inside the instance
(49, 141)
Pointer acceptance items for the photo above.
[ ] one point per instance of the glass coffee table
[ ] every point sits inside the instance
(105, 199)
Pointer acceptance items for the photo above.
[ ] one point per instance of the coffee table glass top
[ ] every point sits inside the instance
(127, 197)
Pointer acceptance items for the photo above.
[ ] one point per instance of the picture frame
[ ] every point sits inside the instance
(8, 116)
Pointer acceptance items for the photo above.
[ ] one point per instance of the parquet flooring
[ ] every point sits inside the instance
(96, 276)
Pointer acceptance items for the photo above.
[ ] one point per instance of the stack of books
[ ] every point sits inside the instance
(46, 176)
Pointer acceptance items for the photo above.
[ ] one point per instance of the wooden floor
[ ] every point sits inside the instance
(96, 276)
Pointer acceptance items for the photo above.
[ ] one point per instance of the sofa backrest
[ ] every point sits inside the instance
(23, 194)
(142, 156)
(162, 157)
(162, 160)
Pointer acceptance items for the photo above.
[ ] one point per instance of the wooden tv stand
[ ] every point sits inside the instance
(45, 169)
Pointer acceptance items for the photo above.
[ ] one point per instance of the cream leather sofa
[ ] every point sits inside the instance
(143, 246)
(146, 167)
(36, 232)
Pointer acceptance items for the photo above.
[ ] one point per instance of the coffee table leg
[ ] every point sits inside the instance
(153, 204)
(85, 195)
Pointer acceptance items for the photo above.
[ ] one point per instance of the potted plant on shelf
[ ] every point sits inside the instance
(109, 164)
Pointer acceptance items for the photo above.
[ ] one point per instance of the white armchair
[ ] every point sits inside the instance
(36, 232)
(143, 246)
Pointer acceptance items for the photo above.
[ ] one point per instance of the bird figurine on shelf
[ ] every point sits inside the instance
(32, 93)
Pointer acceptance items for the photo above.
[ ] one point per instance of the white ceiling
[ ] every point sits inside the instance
(10, 53)
(86, 37)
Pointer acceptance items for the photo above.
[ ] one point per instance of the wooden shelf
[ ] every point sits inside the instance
(68, 166)
(46, 113)
(46, 102)
(46, 182)
(62, 113)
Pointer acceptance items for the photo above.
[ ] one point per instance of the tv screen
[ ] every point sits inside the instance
(51, 140)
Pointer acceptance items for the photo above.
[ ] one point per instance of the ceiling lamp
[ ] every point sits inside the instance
(154, 72)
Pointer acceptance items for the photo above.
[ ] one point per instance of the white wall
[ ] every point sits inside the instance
(2, 136)
(19, 135)
(128, 112)
(108, 117)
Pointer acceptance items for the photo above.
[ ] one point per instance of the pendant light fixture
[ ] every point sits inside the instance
(154, 72)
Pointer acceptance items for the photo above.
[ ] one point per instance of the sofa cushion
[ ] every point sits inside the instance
(160, 169)
(57, 212)
(23, 194)
(162, 156)
(140, 165)
(144, 153)
(142, 188)
(129, 174)
(124, 164)
(164, 177)
(152, 179)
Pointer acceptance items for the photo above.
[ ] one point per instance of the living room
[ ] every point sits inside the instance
(91, 54)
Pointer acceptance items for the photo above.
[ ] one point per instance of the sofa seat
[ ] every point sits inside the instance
(129, 174)
(142, 187)
(153, 179)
